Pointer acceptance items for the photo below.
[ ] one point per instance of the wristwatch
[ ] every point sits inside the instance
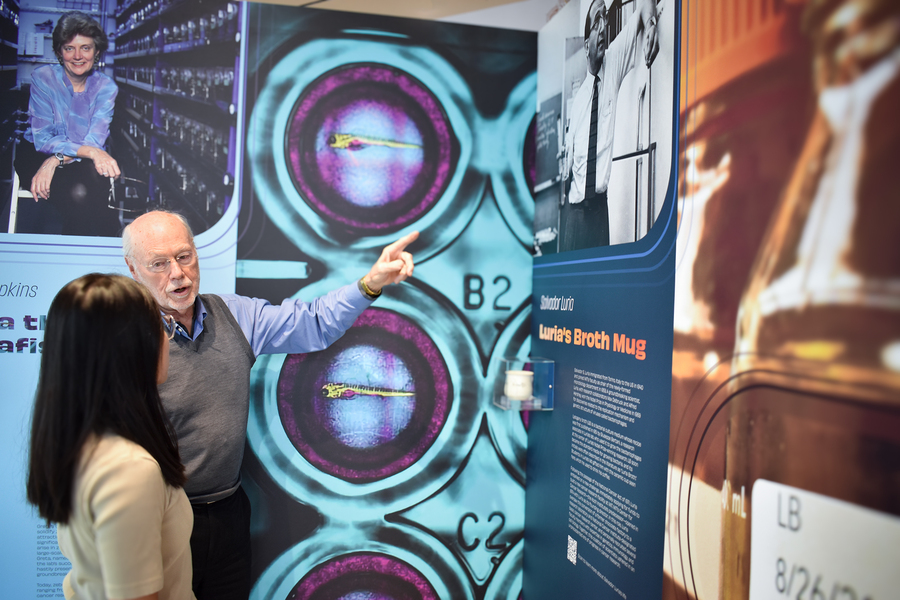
(367, 292)
(61, 158)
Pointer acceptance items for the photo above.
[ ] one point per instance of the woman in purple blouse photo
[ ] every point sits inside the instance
(62, 157)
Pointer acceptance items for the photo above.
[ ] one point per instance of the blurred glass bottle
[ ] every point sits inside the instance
(816, 391)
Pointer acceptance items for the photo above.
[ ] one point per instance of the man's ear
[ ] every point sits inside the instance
(131, 268)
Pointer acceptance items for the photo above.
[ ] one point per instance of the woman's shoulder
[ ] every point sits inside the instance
(111, 452)
(112, 443)
(99, 83)
(109, 462)
(111, 465)
(118, 475)
(46, 73)
(99, 78)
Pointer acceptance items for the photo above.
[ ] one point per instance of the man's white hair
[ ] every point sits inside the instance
(128, 241)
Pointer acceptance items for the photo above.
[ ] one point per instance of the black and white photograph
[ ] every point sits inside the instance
(606, 103)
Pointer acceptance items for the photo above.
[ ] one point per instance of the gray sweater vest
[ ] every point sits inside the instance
(207, 398)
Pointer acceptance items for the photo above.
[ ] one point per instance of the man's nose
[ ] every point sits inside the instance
(175, 270)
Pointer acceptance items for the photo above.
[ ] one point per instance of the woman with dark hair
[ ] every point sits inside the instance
(104, 462)
(62, 157)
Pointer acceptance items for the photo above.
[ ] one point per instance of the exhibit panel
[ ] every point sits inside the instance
(602, 308)
(380, 467)
(35, 266)
(785, 385)
(783, 451)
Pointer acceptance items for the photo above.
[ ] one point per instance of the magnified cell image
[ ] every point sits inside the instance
(369, 147)
(371, 404)
(363, 576)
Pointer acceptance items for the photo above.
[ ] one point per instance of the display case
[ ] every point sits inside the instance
(524, 383)
(176, 64)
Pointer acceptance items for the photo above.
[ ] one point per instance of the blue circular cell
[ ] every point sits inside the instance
(369, 147)
(370, 405)
(374, 401)
(363, 576)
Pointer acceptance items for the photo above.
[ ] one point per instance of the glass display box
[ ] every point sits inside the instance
(524, 383)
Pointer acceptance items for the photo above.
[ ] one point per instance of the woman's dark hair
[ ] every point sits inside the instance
(75, 23)
(98, 375)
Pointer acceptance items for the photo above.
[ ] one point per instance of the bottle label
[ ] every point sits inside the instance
(806, 546)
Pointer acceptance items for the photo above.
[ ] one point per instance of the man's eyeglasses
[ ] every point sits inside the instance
(161, 265)
(169, 325)
(131, 192)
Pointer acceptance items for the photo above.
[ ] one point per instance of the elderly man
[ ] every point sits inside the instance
(206, 396)
(589, 141)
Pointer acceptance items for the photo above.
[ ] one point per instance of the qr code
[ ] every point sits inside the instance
(572, 550)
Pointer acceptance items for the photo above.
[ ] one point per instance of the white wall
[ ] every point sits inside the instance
(527, 15)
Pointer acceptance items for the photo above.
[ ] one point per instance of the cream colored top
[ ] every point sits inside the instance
(129, 532)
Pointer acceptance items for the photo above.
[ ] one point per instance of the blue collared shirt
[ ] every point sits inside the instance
(61, 120)
(292, 327)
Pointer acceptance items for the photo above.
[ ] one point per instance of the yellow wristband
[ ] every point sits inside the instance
(366, 290)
